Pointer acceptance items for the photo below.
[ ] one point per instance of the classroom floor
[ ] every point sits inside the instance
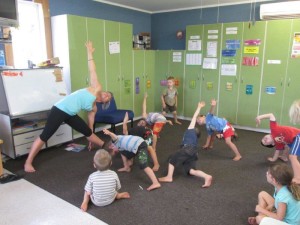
(23, 203)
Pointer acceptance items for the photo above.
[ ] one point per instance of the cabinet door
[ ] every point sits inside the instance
(126, 67)
(177, 71)
(113, 77)
(162, 71)
(277, 49)
(212, 37)
(292, 79)
(229, 82)
(149, 84)
(249, 88)
(192, 79)
(138, 83)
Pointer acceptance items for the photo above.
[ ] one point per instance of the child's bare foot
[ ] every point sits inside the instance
(176, 121)
(270, 159)
(283, 158)
(252, 221)
(237, 158)
(153, 186)
(207, 182)
(165, 179)
(155, 168)
(125, 169)
(84, 206)
(123, 195)
(207, 147)
(29, 168)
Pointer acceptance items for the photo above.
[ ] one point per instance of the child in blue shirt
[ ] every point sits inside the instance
(220, 126)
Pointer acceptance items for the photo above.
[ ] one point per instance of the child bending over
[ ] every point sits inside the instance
(220, 126)
(286, 198)
(103, 185)
(188, 153)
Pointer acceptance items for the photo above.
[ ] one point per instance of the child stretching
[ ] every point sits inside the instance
(169, 99)
(221, 126)
(281, 137)
(145, 133)
(286, 198)
(129, 147)
(103, 185)
(188, 153)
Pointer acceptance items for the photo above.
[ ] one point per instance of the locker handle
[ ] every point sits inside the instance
(289, 81)
(202, 76)
(281, 82)
(242, 80)
(29, 137)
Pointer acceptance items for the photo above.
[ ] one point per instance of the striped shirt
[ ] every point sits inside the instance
(103, 187)
(153, 118)
(128, 143)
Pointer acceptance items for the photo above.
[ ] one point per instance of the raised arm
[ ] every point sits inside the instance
(111, 134)
(144, 112)
(194, 119)
(92, 66)
(125, 121)
(213, 104)
(269, 116)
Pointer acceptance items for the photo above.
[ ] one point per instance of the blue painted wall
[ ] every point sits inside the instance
(162, 26)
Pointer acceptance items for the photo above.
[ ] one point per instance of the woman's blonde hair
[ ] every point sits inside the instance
(294, 112)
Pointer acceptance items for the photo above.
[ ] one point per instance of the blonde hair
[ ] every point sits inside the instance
(102, 160)
(294, 112)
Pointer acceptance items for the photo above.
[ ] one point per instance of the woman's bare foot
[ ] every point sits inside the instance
(252, 221)
(156, 167)
(153, 186)
(165, 179)
(237, 158)
(29, 168)
(207, 182)
(123, 195)
(125, 169)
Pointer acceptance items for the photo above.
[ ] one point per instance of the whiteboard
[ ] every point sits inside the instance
(29, 91)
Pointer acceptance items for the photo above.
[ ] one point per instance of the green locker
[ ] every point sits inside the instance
(212, 37)
(292, 79)
(192, 79)
(138, 83)
(230, 61)
(162, 71)
(276, 55)
(249, 88)
(176, 65)
(149, 85)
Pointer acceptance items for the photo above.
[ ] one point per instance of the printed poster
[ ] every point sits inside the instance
(296, 45)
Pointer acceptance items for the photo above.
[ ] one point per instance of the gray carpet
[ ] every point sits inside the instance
(229, 201)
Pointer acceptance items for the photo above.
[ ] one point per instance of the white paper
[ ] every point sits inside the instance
(195, 37)
(228, 69)
(213, 37)
(193, 59)
(274, 61)
(114, 47)
(210, 63)
(177, 56)
(212, 31)
(212, 49)
(194, 45)
(231, 30)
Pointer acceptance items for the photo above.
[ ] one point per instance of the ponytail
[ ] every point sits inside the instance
(295, 190)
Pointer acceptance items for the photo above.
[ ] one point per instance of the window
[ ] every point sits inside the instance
(28, 40)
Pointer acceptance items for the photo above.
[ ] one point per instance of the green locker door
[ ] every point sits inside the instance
(249, 88)
(192, 79)
(292, 79)
(162, 71)
(177, 61)
(149, 84)
(126, 68)
(230, 60)
(138, 82)
(113, 76)
(212, 37)
(274, 71)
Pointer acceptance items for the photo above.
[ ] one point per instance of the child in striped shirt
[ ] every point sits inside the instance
(103, 185)
(129, 147)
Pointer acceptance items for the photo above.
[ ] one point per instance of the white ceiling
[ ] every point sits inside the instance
(156, 6)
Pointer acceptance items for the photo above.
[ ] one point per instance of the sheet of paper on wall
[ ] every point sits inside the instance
(270, 61)
(228, 69)
(114, 47)
(212, 37)
(177, 56)
(212, 49)
(231, 30)
(233, 44)
(194, 45)
(193, 59)
(296, 45)
(210, 63)
(195, 37)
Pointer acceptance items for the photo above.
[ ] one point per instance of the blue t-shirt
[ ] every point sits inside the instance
(214, 123)
(292, 215)
(190, 138)
(78, 100)
(128, 143)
